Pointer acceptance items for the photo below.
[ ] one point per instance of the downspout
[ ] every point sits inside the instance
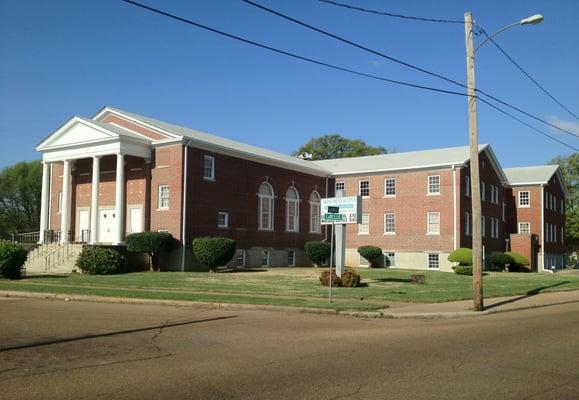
(542, 227)
(454, 205)
(326, 227)
(184, 206)
(49, 225)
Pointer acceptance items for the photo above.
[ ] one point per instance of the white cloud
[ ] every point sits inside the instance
(376, 64)
(571, 126)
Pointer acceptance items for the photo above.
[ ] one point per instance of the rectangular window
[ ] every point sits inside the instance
(265, 258)
(240, 258)
(292, 217)
(340, 187)
(291, 258)
(223, 220)
(483, 191)
(467, 186)
(555, 233)
(365, 188)
(434, 184)
(209, 168)
(389, 224)
(562, 206)
(362, 261)
(467, 224)
(315, 222)
(433, 223)
(60, 202)
(524, 228)
(562, 235)
(389, 187)
(483, 226)
(504, 211)
(495, 233)
(433, 260)
(163, 203)
(524, 199)
(364, 227)
(389, 259)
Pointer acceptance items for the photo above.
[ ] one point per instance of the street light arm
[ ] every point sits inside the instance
(532, 20)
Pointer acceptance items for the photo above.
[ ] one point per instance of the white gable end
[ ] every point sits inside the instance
(75, 132)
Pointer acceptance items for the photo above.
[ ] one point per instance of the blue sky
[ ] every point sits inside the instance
(71, 57)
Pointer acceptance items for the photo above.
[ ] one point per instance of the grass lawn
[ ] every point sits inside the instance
(297, 287)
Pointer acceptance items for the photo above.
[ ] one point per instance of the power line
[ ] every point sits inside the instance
(448, 21)
(525, 72)
(293, 55)
(406, 64)
(527, 125)
(327, 65)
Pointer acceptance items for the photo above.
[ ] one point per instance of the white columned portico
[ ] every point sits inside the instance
(119, 197)
(44, 198)
(94, 204)
(65, 213)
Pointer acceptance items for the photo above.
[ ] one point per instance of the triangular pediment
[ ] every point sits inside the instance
(77, 131)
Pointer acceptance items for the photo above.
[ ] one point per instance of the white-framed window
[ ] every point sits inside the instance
(562, 207)
(223, 219)
(467, 186)
(504, 212)
(292, 210)
(60, 202)
(163, 201)
(291, 258)
(524, 199)
(495, 194)
(390, 187)
(266, 198)
(364, 188)
(389, 223)
(208, 168)
(265, 258)
(389, 259)
(433, 184)
(555, 233)
(495, 227)
(315, 223)
(433, 260)
(240, 258)
(483, 190)
(483, 225)
(433, 223)
(562, 235)
(524, 228)
(340, 187)
(467, 224)
(364, 227)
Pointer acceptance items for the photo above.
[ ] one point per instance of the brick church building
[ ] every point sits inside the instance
(119, 173)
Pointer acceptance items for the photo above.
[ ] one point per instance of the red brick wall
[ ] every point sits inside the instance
(554, 215)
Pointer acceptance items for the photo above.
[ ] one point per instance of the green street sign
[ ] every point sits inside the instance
(333, 217)
(333, 209)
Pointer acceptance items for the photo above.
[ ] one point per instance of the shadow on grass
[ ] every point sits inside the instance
(234, 270)
(530, 293)
(28, 277)
(401, 280)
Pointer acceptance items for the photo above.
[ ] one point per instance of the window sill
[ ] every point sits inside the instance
(208, 179)
(363, 234)
(265, 230)
(389, 234)
(389, 196)
(433, 234)
(524, 206)
(222, 227)
(433, 194)
(162, 209)
(315, 233)
(291, 231)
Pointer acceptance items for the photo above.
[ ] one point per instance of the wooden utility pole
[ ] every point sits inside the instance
(477, 283)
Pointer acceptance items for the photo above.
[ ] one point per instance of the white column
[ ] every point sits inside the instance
(94, 204)
(44, 201)
(119, 197)
(65, 213)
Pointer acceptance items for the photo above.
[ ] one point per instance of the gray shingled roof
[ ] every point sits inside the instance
(399, 161)
(530, 175)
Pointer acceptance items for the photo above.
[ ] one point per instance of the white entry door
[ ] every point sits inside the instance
(107, 226)
(83, 226)
(135, 219)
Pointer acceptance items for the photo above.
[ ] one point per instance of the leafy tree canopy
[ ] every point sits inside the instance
(335, 146)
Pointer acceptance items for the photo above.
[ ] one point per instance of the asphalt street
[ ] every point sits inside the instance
(81, 350)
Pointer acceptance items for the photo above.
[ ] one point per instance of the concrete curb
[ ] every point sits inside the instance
(384, 314)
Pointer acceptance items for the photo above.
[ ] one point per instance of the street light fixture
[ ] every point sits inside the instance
(477, 282)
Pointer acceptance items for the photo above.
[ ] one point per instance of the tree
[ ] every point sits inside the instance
(20, 190)
(335, 146)
(570, 169)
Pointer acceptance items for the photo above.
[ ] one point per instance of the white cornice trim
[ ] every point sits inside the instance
(456, 164)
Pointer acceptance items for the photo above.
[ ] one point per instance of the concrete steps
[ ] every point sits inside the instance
(53, 258)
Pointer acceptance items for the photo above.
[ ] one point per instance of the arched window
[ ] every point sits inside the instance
(265, 205)
(292, 210)
(315, 225)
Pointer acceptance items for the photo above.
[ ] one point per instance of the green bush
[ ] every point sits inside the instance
(96, 260)
(214, 251)
(519, 262)
(351, 278)
(463, 270)
(12, 258)
(370, 253)
(325, 279)
(152, 243)
(499, 261)
(462, 256)
(318, 252)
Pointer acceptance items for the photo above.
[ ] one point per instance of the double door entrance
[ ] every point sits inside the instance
(107, 225)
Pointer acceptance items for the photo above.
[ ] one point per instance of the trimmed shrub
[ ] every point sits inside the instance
(325, 279)
(463, 270)
(318, 252)
(519, 262)
(351, 278)
(96, 260)
(214, 251)
(12, 258)
(498, 261)
(462, 256)
(152, 243)
(370, 253)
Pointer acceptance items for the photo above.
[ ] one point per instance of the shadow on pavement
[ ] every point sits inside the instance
(530, 293)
